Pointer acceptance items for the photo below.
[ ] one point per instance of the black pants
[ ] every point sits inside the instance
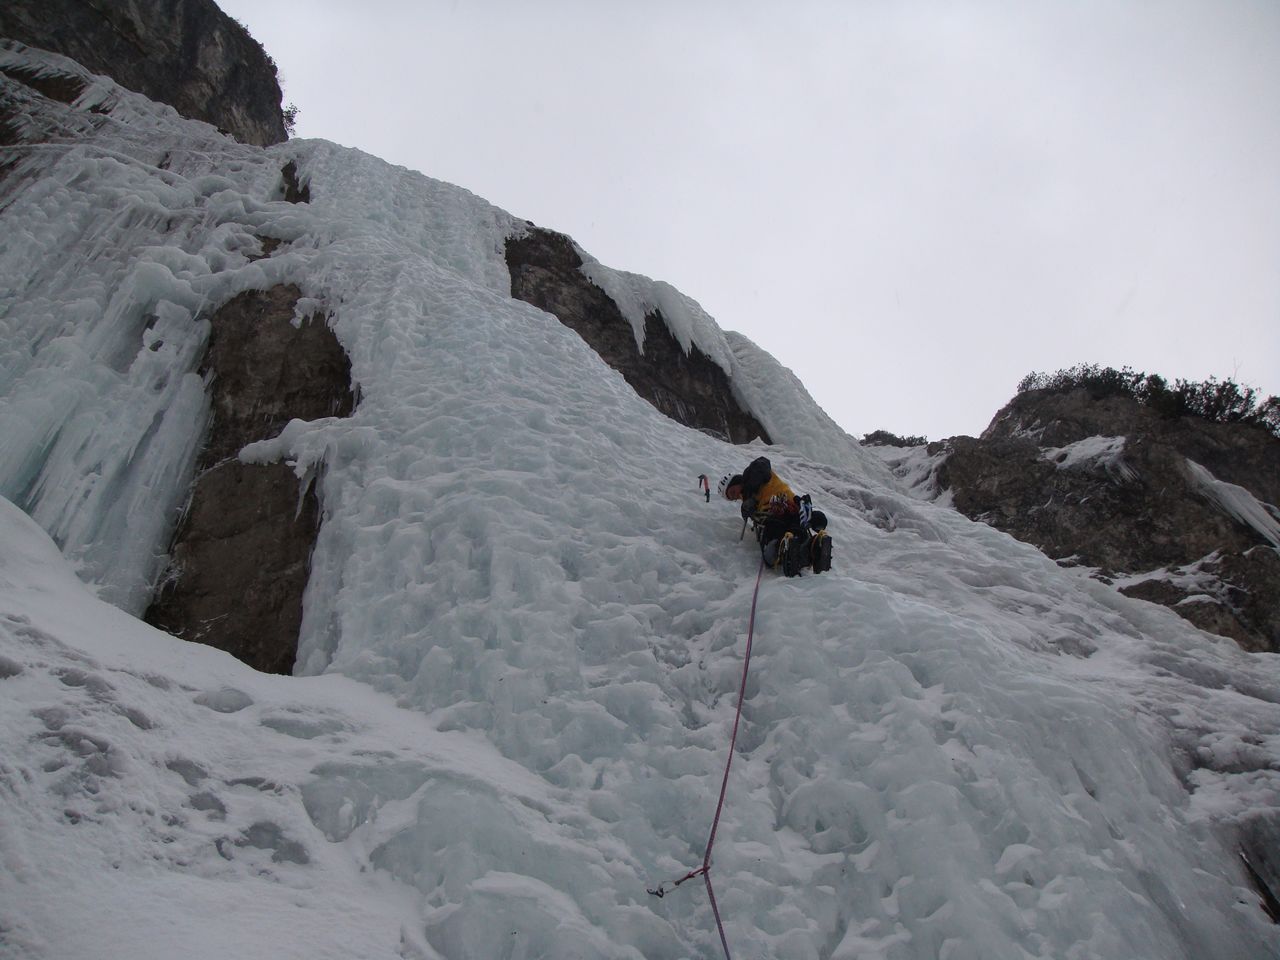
(775, 527)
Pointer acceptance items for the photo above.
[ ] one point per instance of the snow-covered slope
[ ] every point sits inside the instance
(524, 630)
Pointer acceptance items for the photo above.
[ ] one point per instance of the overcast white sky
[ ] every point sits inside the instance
(910, 204)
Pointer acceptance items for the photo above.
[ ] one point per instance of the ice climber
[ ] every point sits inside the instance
(792, 535)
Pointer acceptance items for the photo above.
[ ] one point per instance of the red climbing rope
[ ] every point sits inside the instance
(704, 871)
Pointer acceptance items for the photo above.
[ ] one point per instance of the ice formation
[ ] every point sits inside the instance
(1237, 502)
(523, 633)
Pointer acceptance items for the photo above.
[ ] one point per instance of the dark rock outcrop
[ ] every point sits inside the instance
(10, 131)
(294, 192)
(1139, 508)
(240, 558)
(1243, 454)
(186, 53)
(688, 388)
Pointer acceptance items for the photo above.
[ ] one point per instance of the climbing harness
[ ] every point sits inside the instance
(704, 871)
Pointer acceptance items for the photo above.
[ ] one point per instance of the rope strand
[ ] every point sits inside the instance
(705, 870)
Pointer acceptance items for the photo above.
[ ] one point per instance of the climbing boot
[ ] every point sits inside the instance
(820, 552)
(791, 554)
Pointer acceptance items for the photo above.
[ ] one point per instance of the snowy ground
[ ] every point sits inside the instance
(524, 629)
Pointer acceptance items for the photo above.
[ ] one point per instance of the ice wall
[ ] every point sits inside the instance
(135, 233)
(109, 261)
(524, 628)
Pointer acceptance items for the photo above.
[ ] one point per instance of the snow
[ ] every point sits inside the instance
(1094, 453)
(1197, 580)
(523, 633)
(163, 799)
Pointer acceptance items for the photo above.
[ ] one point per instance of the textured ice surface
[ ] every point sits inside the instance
(916, 469)
(523, 634)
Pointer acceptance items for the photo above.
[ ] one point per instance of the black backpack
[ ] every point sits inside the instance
(756, 475)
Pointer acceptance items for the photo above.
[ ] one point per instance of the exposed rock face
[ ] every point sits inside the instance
(241, 564)
(688, 388)
(1133, 504)
(1240, 454)
(241, 555)
(186, 53)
